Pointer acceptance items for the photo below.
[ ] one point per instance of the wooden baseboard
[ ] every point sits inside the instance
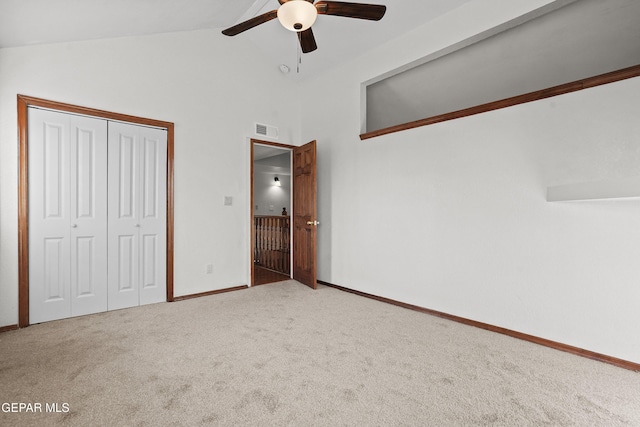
(515, 334)
(204, 294)
(8, 328)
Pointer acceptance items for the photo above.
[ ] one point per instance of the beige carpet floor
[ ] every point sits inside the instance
(282, 354)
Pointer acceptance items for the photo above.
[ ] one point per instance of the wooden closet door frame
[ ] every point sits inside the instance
(24, 102)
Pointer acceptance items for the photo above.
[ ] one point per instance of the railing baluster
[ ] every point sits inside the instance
(272, 242)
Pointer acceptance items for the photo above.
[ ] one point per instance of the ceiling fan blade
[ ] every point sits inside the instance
(373, 12)
(307, 41)
(250, 23)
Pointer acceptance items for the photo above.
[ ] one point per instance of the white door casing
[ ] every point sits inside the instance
(137, 215)
(67, 215)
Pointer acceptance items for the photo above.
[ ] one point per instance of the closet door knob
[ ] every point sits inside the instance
(74, 226)
(137, 225)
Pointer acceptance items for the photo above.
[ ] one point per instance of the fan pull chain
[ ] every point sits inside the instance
(299, 61)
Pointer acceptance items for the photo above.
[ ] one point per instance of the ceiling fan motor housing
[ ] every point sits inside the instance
(297, 15)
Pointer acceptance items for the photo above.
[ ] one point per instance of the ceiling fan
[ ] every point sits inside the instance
(299, 16)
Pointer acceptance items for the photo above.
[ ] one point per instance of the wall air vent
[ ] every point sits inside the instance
(266, 130)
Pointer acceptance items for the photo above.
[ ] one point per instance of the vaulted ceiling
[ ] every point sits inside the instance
(26, 22)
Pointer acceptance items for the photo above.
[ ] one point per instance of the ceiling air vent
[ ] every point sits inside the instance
(266, 130)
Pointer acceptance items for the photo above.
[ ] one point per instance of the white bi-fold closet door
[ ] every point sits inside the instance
(137, 215)
(97, 215)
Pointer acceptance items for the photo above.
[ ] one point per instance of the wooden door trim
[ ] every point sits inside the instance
(253, 142)
(24, 102)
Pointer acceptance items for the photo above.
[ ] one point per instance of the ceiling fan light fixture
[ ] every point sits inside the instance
(297, 15)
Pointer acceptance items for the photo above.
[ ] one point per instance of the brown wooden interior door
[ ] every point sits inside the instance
(304, 214)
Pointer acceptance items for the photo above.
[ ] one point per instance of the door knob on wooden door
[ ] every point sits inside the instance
(313, 222)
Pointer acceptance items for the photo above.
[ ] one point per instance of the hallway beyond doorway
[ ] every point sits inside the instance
(264, 276)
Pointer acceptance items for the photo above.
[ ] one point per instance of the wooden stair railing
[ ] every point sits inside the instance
(272, 242)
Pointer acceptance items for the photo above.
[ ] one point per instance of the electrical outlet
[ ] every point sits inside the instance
(209, 268)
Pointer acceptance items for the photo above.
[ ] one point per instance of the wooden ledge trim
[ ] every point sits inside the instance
(8, 328)
(204, 294)
(514, 334)
(614, 76)
(87, 111)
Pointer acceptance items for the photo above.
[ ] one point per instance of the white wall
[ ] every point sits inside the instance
(199, 81)
(453, 216)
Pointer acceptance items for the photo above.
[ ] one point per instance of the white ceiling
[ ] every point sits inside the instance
(261, 152)
(26, 22)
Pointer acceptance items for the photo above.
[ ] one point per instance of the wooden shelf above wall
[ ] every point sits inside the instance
(620, 188)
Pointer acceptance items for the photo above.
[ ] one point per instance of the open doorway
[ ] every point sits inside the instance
(271, 202)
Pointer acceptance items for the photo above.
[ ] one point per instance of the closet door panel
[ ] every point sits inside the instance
(137, 215)
(67, 220)
(51, 278)
(88, 165)
(97, 215)
(49, 226)
(154, 215)
(124, 217)
(127, 174)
